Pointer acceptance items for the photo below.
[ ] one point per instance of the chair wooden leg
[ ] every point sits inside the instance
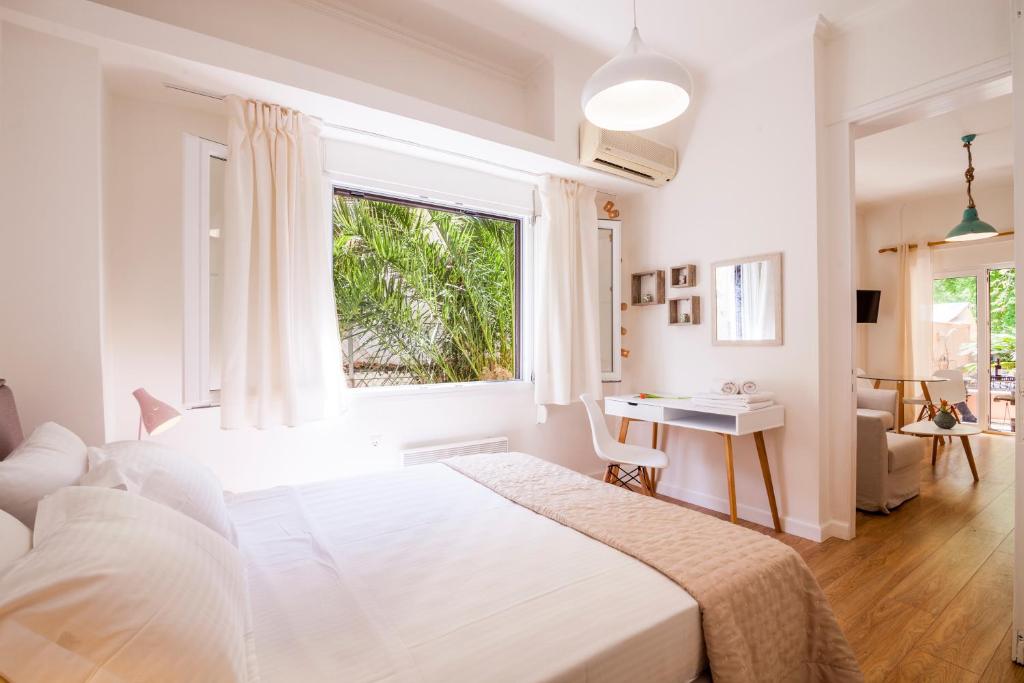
(654, 435)
(652, 474)
(730, 478)
(608, 474)
(762, 455)
(970, 456)
(623, 429)
(645, 477)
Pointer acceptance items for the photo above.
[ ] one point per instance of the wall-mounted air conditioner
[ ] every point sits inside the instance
(626, 154)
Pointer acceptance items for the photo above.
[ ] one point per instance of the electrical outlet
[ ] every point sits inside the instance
(375, 440)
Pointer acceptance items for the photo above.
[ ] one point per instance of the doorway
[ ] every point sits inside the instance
(973, 321)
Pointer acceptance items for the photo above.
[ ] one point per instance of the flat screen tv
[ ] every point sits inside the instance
(867, 305)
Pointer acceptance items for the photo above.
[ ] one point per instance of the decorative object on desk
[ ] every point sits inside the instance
(748, 386)
(610, 210)
(684, 310)
(154, 414)
(735, 402)
(726, 386)
(648, 288)
(648, 395)
(944, 418)
(971, 227)
(747, 298)
(683, 276)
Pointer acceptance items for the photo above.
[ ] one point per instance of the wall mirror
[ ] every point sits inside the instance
(747, 295)
(610, 299)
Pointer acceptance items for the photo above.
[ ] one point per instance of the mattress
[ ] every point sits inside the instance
(425, 575)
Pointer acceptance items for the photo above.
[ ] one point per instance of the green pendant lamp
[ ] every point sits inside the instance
(971, 227)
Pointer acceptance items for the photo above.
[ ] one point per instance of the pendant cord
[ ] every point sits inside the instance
(969, 175)
(634, 13)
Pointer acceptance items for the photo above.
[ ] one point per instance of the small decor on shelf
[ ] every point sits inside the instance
(944, 418)
(683, 276)
(684, 311)
(648, 288)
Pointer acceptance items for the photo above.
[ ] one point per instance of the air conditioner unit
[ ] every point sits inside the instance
(626, 154)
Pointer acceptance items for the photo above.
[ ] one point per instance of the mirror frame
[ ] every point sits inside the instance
(775, 259)
(615, 375)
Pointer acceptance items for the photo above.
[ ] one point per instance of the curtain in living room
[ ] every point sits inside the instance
(281, 350)
(567, 360)
(914, 311)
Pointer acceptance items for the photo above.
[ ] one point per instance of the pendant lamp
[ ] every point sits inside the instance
(971, 227)
(637, 89)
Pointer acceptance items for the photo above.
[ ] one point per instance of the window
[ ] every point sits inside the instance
(203, 211)
(425, 294)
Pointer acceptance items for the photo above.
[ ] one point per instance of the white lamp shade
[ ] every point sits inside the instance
(636, 90)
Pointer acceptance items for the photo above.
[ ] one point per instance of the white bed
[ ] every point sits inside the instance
(425, 575)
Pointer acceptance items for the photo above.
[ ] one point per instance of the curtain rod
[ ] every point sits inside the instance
(382, 136)
(884, 250)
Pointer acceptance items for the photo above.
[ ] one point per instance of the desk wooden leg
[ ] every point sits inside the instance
(970, 456)
(762, 455)
(935, 448)
(731, 478)
(623, 429)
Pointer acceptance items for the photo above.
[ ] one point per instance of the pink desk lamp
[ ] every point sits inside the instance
(156, 415)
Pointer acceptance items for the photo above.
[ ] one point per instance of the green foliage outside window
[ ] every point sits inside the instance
(1003, 309)
(423, 295)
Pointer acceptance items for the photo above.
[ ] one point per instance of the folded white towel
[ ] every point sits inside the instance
(748, 386)
(733, 408)
(737, 398)
(725, 386)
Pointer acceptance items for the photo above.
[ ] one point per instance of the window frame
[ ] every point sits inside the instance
(523, 372)
(196, 391)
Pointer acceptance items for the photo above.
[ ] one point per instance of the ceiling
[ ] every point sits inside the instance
(698, 33)
(926, 157)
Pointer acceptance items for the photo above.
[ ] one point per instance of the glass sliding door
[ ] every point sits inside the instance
(955, 333)
(1002, 335)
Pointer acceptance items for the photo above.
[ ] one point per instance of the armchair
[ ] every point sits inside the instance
(888, 465)
(880, 403)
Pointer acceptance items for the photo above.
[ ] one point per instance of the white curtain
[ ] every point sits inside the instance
(567, 358)
(914, 311)
(282, 354)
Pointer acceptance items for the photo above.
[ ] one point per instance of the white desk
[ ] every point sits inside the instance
(684, 413)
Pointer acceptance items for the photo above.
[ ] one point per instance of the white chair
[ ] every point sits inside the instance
(953, 391)
(644, 460)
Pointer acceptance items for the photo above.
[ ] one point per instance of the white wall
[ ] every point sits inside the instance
(50, 265)
(743, 190)
(144, 312)
(920, 220)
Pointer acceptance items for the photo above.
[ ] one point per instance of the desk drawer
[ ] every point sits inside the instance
(634, 410)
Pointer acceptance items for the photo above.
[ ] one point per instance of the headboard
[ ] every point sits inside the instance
(10, 426)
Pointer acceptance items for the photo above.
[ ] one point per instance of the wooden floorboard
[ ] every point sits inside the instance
(925, 593)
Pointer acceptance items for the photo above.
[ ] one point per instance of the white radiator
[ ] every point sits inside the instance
(425, 454)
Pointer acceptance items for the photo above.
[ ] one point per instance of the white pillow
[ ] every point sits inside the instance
(15, 539)
(165, 475)
(51, 458)
(119, 588)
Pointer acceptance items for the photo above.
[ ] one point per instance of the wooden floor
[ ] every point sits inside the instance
(925, 592)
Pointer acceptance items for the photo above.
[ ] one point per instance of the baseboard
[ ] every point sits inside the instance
(836, 528)
(796, 527)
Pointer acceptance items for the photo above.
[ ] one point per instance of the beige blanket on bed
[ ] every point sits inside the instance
(764, 616)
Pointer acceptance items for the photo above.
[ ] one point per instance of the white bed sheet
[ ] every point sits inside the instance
(425, 575)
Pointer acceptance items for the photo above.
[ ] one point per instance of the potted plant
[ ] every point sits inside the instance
(944, 418)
